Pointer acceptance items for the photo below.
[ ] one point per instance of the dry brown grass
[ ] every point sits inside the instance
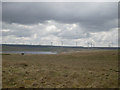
(85, 69)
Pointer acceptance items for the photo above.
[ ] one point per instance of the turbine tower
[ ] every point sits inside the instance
(51, 43)
(62, 43)
(76, 44)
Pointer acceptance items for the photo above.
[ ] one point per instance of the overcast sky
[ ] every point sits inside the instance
(43, 23)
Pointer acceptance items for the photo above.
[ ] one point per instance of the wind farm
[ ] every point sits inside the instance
(60, 45)
(59, 65)
(67, 67)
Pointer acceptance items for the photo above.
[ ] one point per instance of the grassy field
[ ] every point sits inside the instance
(84, 69)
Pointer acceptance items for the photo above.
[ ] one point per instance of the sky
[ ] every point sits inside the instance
(70, 23)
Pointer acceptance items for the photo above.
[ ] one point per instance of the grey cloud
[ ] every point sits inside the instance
(26, 33)
(67, 22)
(91, 16)
(15, 30)
(16, 33)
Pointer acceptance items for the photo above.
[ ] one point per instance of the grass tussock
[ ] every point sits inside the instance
(85, 69)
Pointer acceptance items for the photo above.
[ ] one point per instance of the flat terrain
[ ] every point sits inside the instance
(84, 69)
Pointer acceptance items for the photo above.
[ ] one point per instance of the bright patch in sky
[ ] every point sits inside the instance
(67, 23)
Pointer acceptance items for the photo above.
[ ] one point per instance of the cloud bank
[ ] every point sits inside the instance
(43, 23)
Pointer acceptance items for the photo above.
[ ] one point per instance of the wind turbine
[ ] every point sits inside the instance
(76, 44)
(51, 43)
(62, 43)
(110, 44)
(88, 44)
(91, 44)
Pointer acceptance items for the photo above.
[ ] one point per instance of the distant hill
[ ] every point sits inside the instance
(17, 47)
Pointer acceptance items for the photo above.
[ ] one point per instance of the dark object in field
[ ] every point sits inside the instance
(21, 87)
(5, 54)
(22, 53)
(23, 64)
(3, 71)
(113, 54)
(116, 70)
